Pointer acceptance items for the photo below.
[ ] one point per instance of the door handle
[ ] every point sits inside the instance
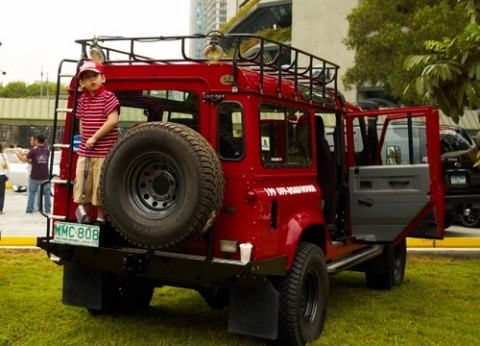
(366, 202)
(399, 182)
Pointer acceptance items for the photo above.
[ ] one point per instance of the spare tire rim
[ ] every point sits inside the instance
(154, 184)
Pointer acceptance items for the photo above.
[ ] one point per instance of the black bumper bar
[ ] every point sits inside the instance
(168, 267)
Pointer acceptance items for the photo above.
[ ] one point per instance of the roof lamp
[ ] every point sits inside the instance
(212, 51)
(96, 53)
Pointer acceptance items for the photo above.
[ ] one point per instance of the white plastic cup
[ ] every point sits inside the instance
(245, 252)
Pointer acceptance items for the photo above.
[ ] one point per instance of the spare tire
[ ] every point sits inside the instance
(161, 185)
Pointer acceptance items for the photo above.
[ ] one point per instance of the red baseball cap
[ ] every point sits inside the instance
(90, 65)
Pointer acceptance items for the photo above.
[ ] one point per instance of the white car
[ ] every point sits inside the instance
(19, 171)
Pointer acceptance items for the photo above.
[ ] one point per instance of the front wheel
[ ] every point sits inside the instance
(472, 220)
(303, 297)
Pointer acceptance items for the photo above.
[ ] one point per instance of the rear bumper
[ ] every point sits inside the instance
(168, 267)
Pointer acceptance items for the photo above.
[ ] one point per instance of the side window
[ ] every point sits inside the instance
(284, 136)
(138, 106)
(230, 131)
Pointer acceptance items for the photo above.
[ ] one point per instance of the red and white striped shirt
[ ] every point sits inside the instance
(93, 111)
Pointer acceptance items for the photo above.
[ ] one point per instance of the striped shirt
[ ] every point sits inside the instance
(93, 111)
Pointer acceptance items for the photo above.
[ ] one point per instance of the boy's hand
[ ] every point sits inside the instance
(90, 142)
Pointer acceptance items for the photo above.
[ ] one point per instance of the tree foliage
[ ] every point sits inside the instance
(20, 89)
(448, 73)
(384, 33)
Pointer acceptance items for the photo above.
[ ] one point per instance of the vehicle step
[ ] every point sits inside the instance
(355, 259)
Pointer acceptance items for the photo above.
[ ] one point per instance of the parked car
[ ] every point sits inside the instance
(19, 171)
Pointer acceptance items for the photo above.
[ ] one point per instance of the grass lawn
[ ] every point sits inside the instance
(438, 304)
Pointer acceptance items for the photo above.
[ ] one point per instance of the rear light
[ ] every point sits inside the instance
(229, 246)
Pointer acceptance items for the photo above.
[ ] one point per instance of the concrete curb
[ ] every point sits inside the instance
(445, 243)
(18, 241)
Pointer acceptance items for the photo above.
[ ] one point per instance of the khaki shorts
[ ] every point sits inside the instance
(91, 192)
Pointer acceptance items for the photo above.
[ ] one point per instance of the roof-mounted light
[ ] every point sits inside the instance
(212, 51)
(95, 52)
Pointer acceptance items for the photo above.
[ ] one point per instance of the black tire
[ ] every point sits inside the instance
(303, 297)
(388, 270)
(472, 220)
(162, 185)
(123, 294)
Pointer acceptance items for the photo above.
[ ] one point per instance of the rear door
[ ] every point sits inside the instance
(399, 191)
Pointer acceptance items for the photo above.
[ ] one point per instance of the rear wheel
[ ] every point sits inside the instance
(303, 297)
(388, 270)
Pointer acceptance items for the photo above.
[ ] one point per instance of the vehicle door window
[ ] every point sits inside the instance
(411, 143)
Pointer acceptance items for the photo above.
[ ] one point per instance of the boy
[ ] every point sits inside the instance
(98, 110)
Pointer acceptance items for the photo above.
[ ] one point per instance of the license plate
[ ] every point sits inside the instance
(458, 179)
(76, 234)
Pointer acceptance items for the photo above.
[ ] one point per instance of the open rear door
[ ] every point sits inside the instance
(400, 191)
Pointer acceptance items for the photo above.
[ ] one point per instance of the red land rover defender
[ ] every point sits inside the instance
(231, 150)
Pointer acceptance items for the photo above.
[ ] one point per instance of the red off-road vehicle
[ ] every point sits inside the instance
(231, 150)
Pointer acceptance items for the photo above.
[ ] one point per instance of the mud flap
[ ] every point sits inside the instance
(254, 311)
(82, 287)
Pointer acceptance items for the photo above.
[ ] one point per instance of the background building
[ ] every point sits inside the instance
(320, 30)
(209, 15)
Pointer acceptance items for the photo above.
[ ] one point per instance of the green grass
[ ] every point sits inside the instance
(438, 304)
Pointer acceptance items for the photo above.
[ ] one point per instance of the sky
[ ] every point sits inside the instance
(37, 34)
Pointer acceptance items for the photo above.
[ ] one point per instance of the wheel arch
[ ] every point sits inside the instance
(308, 228)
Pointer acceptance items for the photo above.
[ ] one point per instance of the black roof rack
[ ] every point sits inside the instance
(312, 75)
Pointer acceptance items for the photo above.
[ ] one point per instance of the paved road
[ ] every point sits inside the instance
(16, 223)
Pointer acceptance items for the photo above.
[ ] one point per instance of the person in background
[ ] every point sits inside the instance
(4, 166)
(38, 157)
(29, 171)
(98, 110)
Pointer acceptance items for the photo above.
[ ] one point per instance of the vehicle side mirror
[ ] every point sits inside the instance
(394, 155)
